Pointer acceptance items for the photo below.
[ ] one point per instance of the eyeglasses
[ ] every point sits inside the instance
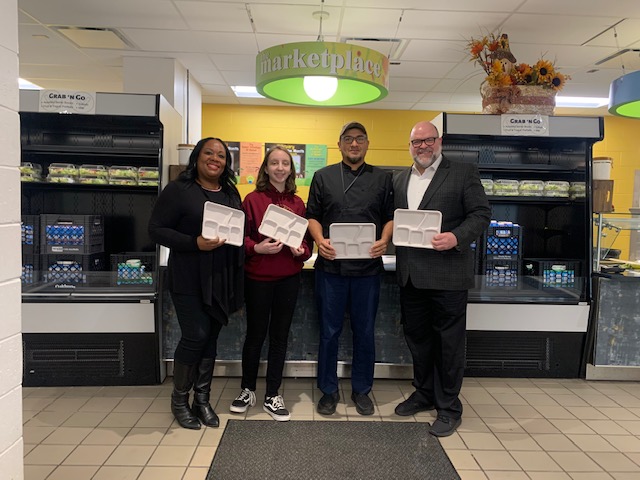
(427, 141)
(349, 140)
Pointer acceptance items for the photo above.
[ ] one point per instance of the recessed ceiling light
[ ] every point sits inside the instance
(581, 102)
(246, 92)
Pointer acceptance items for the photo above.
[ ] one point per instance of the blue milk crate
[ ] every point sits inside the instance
(70, 268)
(30, 233)
(553, 273)
(30, 268)
(133, 268)
(503, 241)
(82, 234)
(501, 273)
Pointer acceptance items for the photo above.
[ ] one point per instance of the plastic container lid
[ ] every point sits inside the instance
(531, 188)
(92, 170)
(123, 171)
(148, 173)
(63, 169)
(505, 187)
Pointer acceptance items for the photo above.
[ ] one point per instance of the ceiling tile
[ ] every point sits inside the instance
(294, 19)
(98, 13)
(581, 8)
(552, 29)
(448, 25)
(215, 17)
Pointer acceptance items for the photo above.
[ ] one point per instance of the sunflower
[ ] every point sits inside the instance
(545, 71)
(558, 81)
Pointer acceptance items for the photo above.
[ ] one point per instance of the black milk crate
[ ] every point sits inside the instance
(553, 273)
(30, 268)
(30, 233)
(501, 273)
(70, 268)
(133, 268)
(82, 234)
(502, 241)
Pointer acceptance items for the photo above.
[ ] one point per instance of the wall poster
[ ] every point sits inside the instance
(247, 158)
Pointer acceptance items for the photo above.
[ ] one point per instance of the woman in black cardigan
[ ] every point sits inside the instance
(205, 276)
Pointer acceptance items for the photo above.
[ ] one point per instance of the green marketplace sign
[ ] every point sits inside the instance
(362, 73)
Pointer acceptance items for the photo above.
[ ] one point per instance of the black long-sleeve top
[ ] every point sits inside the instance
(176, 222)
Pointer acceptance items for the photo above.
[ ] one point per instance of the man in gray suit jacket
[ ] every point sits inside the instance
(434, 282)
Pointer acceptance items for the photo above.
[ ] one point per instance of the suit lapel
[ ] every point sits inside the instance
(436, 183)
(403, 184)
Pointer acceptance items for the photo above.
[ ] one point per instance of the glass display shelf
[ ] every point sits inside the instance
(616, 243)
(36, 284)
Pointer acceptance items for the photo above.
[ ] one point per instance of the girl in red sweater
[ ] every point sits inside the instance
(272, 278)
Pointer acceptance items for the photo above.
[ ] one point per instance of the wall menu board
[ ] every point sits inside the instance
(247, 158)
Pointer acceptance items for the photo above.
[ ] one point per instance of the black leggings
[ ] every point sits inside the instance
(270, 307)
(199, 330)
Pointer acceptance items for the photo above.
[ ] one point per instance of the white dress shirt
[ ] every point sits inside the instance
(418, 183)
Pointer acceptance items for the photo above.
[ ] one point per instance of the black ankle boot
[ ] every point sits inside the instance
(201, 393)
(182, 382)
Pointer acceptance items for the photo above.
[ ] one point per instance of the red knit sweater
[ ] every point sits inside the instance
(282, 264)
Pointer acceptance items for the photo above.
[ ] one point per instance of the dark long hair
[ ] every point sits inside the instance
(227, 177)
(262, 182)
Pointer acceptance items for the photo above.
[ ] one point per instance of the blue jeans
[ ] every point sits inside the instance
(334, 295)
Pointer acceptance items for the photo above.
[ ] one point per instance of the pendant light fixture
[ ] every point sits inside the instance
(322, 73)
(624, 92)
(624, 95)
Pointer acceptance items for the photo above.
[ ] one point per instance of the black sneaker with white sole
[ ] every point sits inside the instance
(246, 399)
(274, 406)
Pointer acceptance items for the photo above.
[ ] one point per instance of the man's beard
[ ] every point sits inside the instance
(353, 160)
(425, 164)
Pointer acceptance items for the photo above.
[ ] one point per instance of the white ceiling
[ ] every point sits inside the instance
(217, 42)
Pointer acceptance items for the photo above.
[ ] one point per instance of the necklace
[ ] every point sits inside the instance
(345, 190)
(210, 189)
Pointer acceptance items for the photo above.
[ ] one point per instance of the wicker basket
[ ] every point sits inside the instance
(518, 99)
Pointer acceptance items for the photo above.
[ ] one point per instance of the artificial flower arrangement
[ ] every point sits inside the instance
(492, 53)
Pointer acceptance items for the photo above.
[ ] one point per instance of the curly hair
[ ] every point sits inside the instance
(262, 182)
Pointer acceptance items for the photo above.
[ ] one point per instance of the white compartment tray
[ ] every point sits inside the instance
(223, 222)
(352, 240)
(415, 228)
(282, 225)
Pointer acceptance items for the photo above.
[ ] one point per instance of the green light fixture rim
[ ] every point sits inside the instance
(624, 95)
(362, 73)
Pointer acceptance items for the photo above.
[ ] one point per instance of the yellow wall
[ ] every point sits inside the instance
(621, 143)
(388, 130)
(389, 135)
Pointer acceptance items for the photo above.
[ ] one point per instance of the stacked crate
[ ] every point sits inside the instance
(501, 254)
(30, 233)
(552, 273)
(133, 268)
(71, 246)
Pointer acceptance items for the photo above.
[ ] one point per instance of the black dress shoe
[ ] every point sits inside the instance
(364, 405)
(412, 405)
(328, 403)
(444, 426)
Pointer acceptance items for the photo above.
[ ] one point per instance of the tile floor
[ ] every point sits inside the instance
(512, 429)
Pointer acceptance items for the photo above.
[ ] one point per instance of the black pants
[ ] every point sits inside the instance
(270, 307)
(435, 325)
(199, 330)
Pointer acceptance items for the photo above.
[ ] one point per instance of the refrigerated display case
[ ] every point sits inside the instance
(90, 271)
(529, 312)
